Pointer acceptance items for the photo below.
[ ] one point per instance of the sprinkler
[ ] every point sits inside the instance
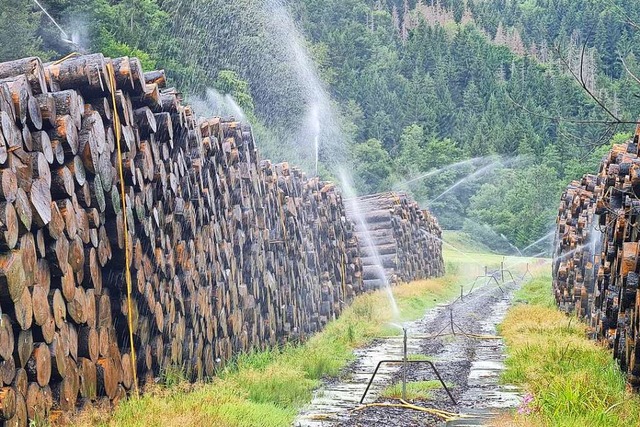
(404, 363)
(64, 37)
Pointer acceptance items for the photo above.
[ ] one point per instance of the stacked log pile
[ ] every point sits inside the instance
(615, 210)
(399, 241)
(617, 280)
(227, 253)
(576, 247)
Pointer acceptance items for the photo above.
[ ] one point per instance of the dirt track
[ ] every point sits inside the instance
(469, 366)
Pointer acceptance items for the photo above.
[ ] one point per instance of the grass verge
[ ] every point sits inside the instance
(415, 390)
(267, 388)
(573, 381)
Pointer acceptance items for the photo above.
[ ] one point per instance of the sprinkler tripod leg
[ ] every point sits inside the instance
(453, 331)
(404, 367)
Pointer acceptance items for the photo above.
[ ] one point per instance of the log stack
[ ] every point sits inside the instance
(399, 241)
(227, 252)
(577, 246)
(610, 201)
(616, 319)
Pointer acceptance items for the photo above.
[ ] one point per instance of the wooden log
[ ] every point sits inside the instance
(32, 68)
(6, 337)
(55, 228)
(76, 167)
(38, 366)
(40, 199)
(58, 151)
(68, 212)
(106, 377)
(64, 135)
(73, 350)
(20, 92)
(9, 226)
(75, 307)
(7, 403)
(76, 255)
(8, 370)
(63, 395)
(12, 276)
(36, 406)
(23, 311)
(20, 417)
(40, 304)
(47, 330)
(146, 121)
(41, 142)
(20, 382)
(137, 76)
(8, 185)
(58, 359)
(58, 306)
(97, 193)
(47, 105)
(24, 347)
(23, 209)
(123, 74)
(158, 77)
(69, 103)
(68, 284)
(86, 73)
(88, 378)
(103, 107)
(62, 183)
(88, 343)
(92, 141)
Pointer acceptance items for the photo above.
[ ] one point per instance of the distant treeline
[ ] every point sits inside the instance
(416, 85)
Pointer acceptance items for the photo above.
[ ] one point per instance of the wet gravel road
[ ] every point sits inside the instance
(470, 367)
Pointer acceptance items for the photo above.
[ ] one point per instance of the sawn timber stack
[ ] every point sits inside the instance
(399, 242)
(228, 253)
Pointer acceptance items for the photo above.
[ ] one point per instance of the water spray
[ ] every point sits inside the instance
(477, 173)
(540, 240)
(65, 37)
(440, 170)
(510, 244)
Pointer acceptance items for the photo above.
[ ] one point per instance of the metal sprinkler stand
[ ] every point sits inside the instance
(527, 272)
(502, 271)
(404, 363)
(489, 277)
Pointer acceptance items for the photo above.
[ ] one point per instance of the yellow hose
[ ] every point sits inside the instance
(127, 270)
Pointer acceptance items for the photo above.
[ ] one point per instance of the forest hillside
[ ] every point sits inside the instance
(520, 96)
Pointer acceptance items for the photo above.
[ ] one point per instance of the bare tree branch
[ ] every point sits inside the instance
(581, 81)
(626, 18)
(568, 120)
(633, 76)
(602, 139)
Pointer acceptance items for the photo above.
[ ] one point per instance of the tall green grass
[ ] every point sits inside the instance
(415, 390)
(574, 381)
